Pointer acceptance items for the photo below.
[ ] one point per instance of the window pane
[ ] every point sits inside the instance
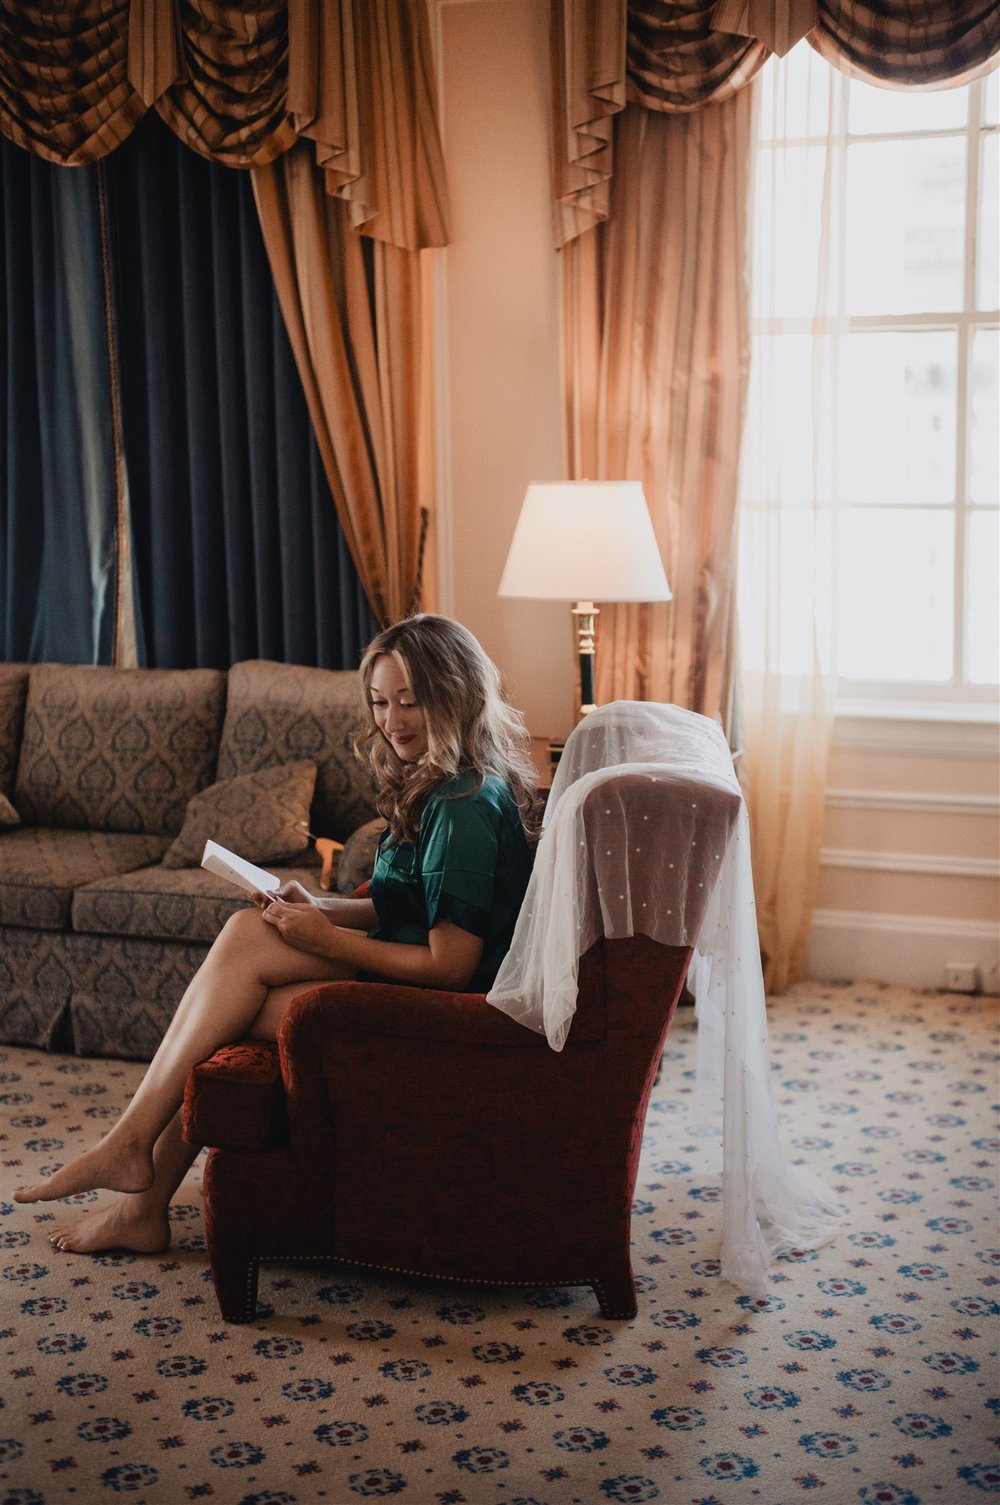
(988, 229)
(897, 418)
(787, 228)
(982, 599)
(795, 96)
(905, 226)
(991, 95)
(784, 589)
(894, 599)
(871, 110)
(787, 435)
(984, 402)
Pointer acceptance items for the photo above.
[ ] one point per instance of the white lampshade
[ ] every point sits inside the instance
(585, 541)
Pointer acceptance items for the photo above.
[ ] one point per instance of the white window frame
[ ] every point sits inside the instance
(931, 700)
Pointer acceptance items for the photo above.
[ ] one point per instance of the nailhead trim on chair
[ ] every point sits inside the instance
(253, 1270)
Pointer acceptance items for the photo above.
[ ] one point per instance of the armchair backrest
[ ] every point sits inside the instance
(632, 849)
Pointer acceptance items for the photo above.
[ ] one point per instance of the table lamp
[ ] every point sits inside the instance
(585, 541)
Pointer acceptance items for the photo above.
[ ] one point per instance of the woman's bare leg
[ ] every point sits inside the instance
(141, 1220)
(222, 1003)
(138, 1221)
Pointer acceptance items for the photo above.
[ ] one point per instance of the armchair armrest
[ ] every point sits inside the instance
(239, 1097)
(392, 1010)
(235, 1099)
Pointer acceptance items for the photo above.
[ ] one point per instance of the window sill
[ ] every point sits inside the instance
(964, 712)
(929, 729)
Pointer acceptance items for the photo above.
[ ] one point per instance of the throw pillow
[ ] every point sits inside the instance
(358, 857)
(8, 815)
(13, 694)
(262, 816)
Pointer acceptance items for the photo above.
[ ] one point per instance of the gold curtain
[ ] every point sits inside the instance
(655, 335)
(358, 322)
(587, 54)
(361, 86)
(331, 104)
(656, 360)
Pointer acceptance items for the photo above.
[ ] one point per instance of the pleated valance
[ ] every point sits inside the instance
(240, 85)
(680, 55)
(909, 43)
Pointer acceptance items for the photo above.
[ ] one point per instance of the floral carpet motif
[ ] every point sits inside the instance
(867, 1376)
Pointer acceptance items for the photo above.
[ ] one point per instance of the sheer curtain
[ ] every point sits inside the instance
(786, 689)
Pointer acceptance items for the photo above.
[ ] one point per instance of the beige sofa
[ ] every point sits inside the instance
(111, 778)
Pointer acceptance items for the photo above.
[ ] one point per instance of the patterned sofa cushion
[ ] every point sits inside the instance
(262, 816)
(41, 868)
(280, 713)
(13, 693)
(117, 749)
(159, 903)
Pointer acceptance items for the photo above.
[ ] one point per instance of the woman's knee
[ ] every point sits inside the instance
(241, 929)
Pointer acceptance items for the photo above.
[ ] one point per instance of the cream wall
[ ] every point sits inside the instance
(910, 878)
(910, 870)
(497, 311)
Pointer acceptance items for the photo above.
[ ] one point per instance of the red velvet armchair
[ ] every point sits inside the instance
(427, 1133)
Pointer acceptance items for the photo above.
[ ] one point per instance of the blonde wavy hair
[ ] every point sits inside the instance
(470, 724)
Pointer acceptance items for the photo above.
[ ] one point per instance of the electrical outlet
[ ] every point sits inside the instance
(961, 977)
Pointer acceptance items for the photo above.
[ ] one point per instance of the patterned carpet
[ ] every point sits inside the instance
(869, 1374)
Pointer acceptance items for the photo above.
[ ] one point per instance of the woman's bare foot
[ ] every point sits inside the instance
(115, 1167)
(123, 1224)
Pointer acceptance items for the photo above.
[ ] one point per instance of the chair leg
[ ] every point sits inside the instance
(234, 1268)
(615, 1292)
(235, 1282)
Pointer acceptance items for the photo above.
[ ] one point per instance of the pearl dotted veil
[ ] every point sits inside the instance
(683, 880)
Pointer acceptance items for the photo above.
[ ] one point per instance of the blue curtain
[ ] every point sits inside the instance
(231, 533)
(58, 497)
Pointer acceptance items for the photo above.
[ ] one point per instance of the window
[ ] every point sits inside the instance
(876, 273)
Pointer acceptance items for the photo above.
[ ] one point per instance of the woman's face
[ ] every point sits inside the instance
(397, 715)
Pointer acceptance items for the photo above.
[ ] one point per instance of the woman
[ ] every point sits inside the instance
(455, 785)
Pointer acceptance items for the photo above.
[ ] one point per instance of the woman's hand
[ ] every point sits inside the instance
(302, 925)
(292, 893)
